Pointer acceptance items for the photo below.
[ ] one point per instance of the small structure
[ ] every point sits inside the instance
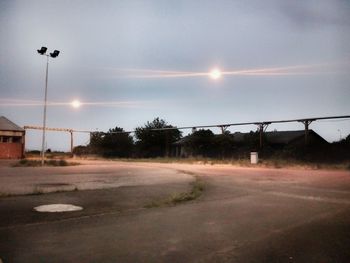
(254, 157)
(12, 140)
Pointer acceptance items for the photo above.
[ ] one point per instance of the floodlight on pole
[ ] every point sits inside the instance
(42, 51)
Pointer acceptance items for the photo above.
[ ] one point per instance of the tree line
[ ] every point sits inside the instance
(147, 141)
(150, 141)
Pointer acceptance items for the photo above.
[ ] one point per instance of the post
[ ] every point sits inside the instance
(71, 142)
(23, 144)
(306, 125)
(262, 128)
(167, 150)
(44, 117)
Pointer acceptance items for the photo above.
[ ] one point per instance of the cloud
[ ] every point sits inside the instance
(316, 13)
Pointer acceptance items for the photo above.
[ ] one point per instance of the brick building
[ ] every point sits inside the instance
(12, 140)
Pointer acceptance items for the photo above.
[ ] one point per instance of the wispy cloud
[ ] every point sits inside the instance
(306, 69)
(10, 102)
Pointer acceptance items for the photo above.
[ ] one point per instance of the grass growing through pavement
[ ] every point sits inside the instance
(174, 199)
(37, 163)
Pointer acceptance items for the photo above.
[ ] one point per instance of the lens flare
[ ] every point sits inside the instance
(215, 74)
(76, 104)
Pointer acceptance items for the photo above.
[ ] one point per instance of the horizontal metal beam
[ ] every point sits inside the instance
(47, 128)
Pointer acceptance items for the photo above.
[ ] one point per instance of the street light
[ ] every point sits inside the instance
(54, 54)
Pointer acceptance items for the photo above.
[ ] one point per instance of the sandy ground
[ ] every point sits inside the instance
(89, 175)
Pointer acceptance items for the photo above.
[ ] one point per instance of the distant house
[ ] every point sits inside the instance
(275, 139)
(12, 140)
(279, 139)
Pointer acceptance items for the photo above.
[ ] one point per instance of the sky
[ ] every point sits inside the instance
(129, 61)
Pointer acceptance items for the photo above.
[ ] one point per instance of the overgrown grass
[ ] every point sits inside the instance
(49, 155)
(292, 163)
(197, 188)
(37, 163)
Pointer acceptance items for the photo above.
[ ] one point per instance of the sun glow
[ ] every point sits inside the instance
(76, 104)
(215, 74)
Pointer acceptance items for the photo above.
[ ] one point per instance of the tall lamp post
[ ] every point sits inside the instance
(54, 54)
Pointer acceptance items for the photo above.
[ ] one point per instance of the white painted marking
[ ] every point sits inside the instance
(57, 208)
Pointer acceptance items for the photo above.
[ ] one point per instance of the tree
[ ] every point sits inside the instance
(252, 140)
(114, 143)
(201, 143)
(152, 141)
(224, 145)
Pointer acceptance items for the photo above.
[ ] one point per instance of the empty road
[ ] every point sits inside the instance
(243, 214)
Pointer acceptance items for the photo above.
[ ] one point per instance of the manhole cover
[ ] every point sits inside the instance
(56, 208)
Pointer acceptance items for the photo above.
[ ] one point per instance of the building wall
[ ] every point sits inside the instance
(11, 150)
(12, 144)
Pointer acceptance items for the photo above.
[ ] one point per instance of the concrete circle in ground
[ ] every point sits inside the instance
(57, 208)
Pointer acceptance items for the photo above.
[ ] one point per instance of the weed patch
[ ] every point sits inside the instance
(177, 198)
(37, 163)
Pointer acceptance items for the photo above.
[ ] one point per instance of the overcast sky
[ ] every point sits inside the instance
(122, 59)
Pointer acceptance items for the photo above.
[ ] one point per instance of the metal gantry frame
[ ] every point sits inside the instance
(262, 126)
(71, 131)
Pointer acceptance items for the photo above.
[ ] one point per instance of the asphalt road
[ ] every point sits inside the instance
(243, 215)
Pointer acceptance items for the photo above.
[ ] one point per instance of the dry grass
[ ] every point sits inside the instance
(177, 198)
(37, 163)
(266, 163)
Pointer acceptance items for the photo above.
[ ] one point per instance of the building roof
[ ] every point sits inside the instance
(274, 137)
(285, 137)
(7, 125)
(279, 137)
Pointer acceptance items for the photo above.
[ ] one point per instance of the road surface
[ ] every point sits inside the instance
(243, 214)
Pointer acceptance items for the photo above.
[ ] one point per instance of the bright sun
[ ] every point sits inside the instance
(215, 74)
(76, 104)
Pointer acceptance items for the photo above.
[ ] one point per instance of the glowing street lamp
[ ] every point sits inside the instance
(54, 54)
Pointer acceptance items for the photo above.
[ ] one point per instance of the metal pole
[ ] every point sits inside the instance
(71, 142)
(261, 130)
(306, 123)
(44, 117)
